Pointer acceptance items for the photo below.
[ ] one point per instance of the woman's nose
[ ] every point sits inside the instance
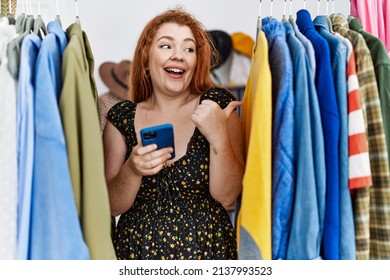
(176, 55)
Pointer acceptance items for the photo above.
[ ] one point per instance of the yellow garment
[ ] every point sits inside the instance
(254, 218)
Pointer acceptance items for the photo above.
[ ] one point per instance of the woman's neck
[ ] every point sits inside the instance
(167, 103)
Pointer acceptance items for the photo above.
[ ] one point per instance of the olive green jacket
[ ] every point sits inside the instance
(80, 117)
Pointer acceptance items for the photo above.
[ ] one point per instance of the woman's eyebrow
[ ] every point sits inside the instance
(170, 38)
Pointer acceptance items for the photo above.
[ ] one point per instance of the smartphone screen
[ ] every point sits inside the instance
(161, 135)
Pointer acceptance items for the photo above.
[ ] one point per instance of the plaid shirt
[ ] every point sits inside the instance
(372, 219)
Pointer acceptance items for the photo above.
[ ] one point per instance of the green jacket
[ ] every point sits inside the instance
(80, 117)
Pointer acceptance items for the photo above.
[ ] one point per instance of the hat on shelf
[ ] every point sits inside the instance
(243, 43)
(223, 44)
(116, 77)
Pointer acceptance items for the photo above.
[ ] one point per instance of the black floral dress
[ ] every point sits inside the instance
(174, 216)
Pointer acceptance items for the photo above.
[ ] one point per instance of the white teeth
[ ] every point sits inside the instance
(175, 70)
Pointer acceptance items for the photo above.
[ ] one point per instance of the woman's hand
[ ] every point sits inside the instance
(148, 160)
(211, 120)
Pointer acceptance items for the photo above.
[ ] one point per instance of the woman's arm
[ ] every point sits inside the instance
(222, 129)
(123, 176)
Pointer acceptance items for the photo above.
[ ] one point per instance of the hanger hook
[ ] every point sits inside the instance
(77, 8)
(30, 7)
(327, 7)
(291, 7)
(272, 8)
(77, 12)
(39, 7)
(304, 4)
(58, 9)
(332, 6)
(260, 8)
(284, 8)
(318, 7)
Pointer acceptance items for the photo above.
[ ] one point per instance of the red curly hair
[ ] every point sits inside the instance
(206, 55)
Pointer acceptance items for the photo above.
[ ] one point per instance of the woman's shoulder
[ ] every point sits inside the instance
(220, 95)
(121, 110)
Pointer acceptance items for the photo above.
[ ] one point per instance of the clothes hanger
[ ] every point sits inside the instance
(39, 24)
(332, 6)
(21, 19)
(29, 24)
(284, 18)
(259, 25)
(291, 18)
(318, 7)
(77, 12)
(327, 7)
(58, 19)
(304, 4)
(328, 17)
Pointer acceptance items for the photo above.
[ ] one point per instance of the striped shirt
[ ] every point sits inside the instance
(372, 221)
(359, 160)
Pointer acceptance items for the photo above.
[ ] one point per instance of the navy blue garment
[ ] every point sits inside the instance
(309, 203)
(338, 54)
(331, 127)
(282, 135)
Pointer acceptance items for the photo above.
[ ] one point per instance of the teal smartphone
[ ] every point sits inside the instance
(161, 135)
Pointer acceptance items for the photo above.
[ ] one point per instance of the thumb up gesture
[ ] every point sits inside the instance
(211, 120)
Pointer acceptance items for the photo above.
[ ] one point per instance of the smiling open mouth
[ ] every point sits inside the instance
(176, 71)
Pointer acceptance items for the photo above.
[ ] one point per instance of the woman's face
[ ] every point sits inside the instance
(172, 59)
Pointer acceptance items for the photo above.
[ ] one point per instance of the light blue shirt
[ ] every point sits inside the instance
(331, 127)
(283, 172)
(25, 137)
(309, 203)
(55, 227)
(309, 49)
(338, 53)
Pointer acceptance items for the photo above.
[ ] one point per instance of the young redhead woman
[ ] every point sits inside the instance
(174, 208)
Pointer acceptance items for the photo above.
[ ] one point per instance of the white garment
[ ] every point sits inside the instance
(239, 71)
(8, 163)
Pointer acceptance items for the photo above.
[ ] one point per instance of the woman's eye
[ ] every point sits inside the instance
(190, 50)
(165, 46)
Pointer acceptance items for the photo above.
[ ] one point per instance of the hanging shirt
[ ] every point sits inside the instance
(331, 127)
(80, 118)
(381, 63)
(283, 173)
(359, 171)
(310, 186)
(338, 55)
(254, 215)
(55, 231)
(308, 46)
(14, 47)
(375, 17)
(372, 223)
(359, 160)
(25, 134)
(8, 149)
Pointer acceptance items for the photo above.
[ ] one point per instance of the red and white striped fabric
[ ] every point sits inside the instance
(359, 160)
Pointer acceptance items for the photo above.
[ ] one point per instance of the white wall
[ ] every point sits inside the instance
(113, 26)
